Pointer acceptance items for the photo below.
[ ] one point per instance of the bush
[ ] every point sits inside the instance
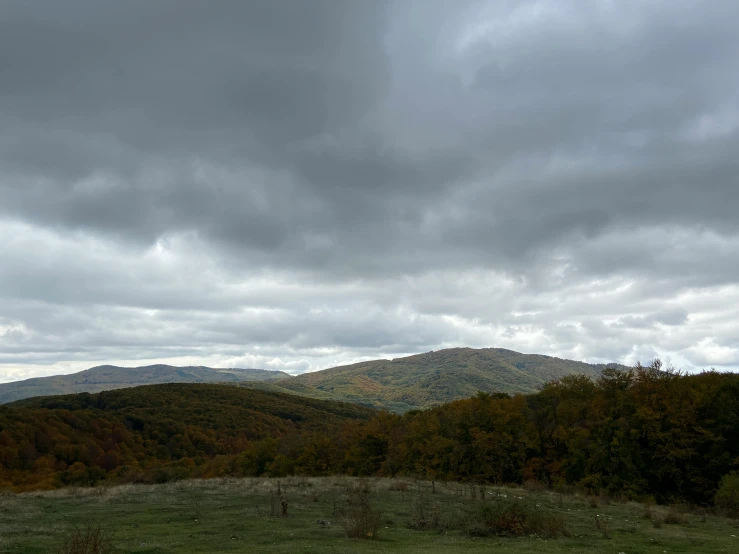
(357, 517)
(400, 486)
(516, 519)
(727, 495)
(674, 516)
(88, 540)
(648, 509)
(603, 527)
(532, 485)
(424, 513)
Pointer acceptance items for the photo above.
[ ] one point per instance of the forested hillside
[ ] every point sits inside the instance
(635, 432)
(433, 378)
(84, 438)
(108, 377)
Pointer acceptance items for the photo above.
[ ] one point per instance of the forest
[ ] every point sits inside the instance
(630, 433)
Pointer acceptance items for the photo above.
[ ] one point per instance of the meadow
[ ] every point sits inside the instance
(246, 515)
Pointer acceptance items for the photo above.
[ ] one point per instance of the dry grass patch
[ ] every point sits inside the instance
(90, 539)
(357, 517)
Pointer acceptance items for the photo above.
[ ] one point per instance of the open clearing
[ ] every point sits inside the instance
(233, 515)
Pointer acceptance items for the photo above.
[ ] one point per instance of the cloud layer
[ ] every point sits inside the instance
(295, 185)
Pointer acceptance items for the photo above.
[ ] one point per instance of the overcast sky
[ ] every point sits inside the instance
(300, 184)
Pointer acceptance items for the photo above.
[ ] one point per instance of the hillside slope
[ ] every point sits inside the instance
(108, 377)
(121, 434)
(433, 378)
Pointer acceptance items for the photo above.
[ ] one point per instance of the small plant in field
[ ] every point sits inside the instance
(657, 521)
(357, 517)
(647, 511)
(692, 539)
(631, 528)
(593, 501)
(90, 539)
(197, 512)
(674, 516)
(400, 486)
(532, 485)
(425, 514)
(603, 527)
(727, 495)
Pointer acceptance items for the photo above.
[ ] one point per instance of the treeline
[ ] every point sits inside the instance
(637, 432)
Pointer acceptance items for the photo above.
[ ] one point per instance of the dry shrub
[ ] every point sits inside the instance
(593, 501)
(532, 485)
(567, 489)
(603, 527)
(473, 491)
(400, 486)
(357, 517)
(516, 519)
(424, 513)
(90, 539)
(674, 516)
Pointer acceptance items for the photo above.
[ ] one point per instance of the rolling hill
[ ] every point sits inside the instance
(433, 378)
(165, 431)
(108, 377)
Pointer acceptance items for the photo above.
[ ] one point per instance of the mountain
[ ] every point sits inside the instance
(108, 377)
(433, 378)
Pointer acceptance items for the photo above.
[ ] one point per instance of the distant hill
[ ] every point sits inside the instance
(433, 378)
(210, 406)
(108, 377)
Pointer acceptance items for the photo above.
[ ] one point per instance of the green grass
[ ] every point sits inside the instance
(233, 515)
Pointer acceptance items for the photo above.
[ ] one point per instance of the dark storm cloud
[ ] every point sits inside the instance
(555, 176)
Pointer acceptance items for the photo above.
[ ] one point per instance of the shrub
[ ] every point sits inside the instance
(516, 519)
(648, 510)
(532, 485)
(727, 495)
(88, 540)
(674, 516)
(357, 517)
(400, 486)
(602, 525)
(425, 514)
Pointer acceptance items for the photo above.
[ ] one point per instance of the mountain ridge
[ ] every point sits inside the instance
(109, 377)
(433, 378)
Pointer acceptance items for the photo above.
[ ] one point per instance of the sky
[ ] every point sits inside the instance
(294, 185)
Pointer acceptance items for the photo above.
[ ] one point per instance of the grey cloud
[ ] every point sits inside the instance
(338, 179)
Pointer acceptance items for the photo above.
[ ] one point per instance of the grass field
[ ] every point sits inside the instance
(233, 515)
